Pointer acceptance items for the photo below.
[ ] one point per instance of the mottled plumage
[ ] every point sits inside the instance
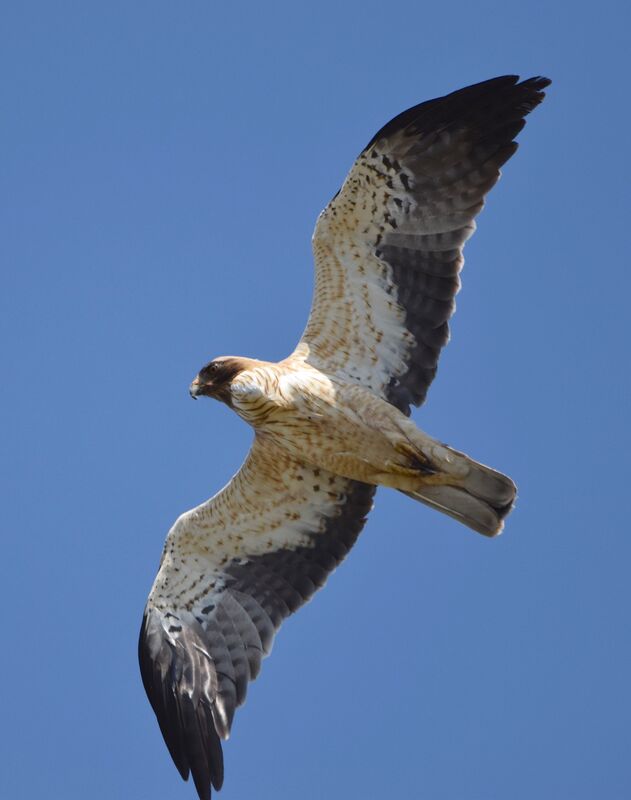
(331, 421)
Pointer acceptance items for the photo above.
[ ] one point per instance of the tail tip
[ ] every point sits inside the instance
(501, 512)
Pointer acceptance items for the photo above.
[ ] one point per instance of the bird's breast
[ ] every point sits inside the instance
(276, 400)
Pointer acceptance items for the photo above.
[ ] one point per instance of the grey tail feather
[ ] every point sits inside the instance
(482, 500)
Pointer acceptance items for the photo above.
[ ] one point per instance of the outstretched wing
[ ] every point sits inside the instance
(233, 568)
(388, 247)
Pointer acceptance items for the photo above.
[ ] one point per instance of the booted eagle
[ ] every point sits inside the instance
(331, 421)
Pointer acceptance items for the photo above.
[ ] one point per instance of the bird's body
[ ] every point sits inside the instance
(331, 421)
(326, 421)
(346, 429)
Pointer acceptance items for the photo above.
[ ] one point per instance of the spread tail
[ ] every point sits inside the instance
(481, 499)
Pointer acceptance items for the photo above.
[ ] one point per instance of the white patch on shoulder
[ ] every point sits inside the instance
(303, 381)
(290, 383)
(244, 390)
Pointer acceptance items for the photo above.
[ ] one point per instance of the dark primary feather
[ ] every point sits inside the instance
(469, 106)
(442, 155)
(196, 666)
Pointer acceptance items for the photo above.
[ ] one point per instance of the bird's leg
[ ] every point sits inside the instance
(424, 462)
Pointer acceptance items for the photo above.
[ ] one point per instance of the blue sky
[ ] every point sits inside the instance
(163, 166)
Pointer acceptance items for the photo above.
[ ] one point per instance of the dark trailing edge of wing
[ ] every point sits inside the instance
(425, 267)
(196, 675)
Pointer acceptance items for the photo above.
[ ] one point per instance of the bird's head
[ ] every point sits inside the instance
(215, 378)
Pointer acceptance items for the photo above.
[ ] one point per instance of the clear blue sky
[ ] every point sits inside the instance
(162, 168)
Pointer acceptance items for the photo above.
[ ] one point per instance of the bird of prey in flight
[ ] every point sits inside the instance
(331, 421)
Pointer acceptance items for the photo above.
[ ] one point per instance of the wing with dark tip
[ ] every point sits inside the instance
(388, 247)
(232, 570)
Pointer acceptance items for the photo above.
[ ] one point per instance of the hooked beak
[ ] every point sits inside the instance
(195, 389)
